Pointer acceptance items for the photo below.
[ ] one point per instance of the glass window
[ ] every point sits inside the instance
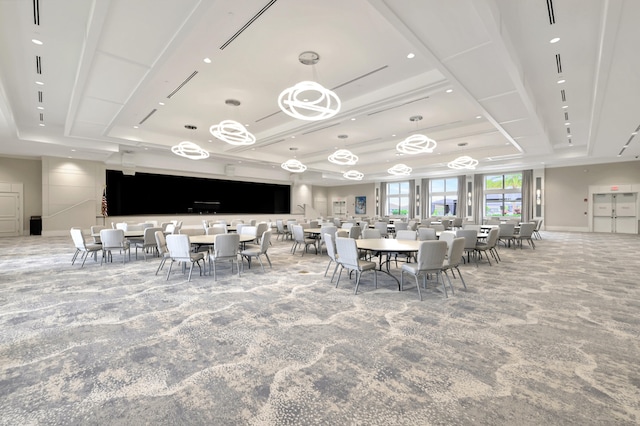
(503, 195)
(398, 199)
(443, 197)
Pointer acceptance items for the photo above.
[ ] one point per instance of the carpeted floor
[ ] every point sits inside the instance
(547, 337)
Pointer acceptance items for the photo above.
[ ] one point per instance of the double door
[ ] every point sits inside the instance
(615, 213)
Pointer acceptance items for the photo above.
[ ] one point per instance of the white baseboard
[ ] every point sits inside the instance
(567, 228)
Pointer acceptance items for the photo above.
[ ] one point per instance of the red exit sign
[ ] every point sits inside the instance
(614, 188)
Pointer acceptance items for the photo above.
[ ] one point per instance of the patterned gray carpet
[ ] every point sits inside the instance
(548, 336)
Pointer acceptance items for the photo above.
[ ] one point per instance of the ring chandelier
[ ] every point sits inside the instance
(233, 133)
(309, 101)
(190, 150)
(353, 175)
(343, 157)
(417, 144)
(293, 166)
(400, 170)
(464, 162)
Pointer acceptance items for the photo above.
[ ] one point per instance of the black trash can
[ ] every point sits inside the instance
(35, 225)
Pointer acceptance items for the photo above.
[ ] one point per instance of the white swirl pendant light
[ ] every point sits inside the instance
(293, 166)
(232, 132)
(343, 157)
(309, 100)
(400, 170)
(353, 175)
(416, 144)
(190, 150)
(464, 162)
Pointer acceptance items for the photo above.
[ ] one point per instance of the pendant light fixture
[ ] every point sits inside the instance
(293, 165)
(190, 150)
(464, 162)
(353, 175)
(400, 170)
(309, 100)
(231, 131)
(343, 157)
(416, 144)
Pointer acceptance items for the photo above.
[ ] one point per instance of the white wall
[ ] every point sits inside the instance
(349, 194)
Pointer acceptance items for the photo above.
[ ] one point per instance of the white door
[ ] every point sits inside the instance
(602, 212)
(9, 214)
(615, 213)
(625, 215)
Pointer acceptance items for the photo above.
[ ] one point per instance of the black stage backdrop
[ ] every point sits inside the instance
(146, 193)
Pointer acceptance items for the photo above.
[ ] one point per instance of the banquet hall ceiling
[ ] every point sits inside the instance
(125, 80)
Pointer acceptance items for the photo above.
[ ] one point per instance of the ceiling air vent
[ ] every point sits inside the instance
(148, 115)
(559, 63)
(181, 85)
(552, 15)
(36, 12)
(245, 26)
(38, 65)
(40, 96)
(563, 95)
(360, 77)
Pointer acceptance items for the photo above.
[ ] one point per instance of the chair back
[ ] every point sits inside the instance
(426, 234)
(406, 234)
(331, 248)
(249, 230)
(456, 250)
(179, 247)
(161, 243)
(112, 238)
(538, 224)
(280, 226)
(78, 238)
(437, 227)
(470, 237)
(347, 225)
(448, 237)
(446, 223)
(413, 225)
(355, 231)
(371, 233)
(216, 229)
(95, 229)
(471, 226)
(264, 241)
(492, 238)
(261, 228)
(431, 255)
(122, 225)
(457, 222)
(313, 224)
(347, 252)
(526, 230)
(506, 230)
(382, 228)
(298, 233)
(150, 235)
(226, 245)
(401, 226)
(253, 222)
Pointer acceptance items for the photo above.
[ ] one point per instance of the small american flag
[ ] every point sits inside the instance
(105, 212)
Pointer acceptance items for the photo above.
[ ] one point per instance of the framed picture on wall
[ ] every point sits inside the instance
(361, 204)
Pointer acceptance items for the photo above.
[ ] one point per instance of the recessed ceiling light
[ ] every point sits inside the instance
(567, 124)
(411, 55)
(562, 80)
(568, 136)
(73, 150)
(478, 116)
(554, 40)
(634, 133)
(565, 106)
(41, 124)
(293, 137)
(207, 60)
(393, 136)
(36, 41)
(449, 90)
(39, 107)
(135, 127)
(353, 119)
(39, 83)
(161, 103)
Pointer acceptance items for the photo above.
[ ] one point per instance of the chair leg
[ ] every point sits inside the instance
(461, 279)
(418, 287)
(190, 271)
(339, 275)
(169, 271)
(358, 275)
(268, 260)
(75, 255)
(328, 264)
(261, 265)
(164, 259)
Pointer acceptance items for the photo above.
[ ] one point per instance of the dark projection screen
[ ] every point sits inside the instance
(146, 193)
